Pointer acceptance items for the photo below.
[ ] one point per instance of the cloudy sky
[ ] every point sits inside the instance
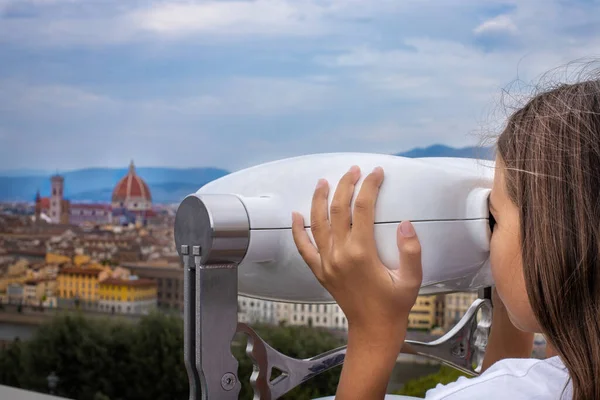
(235, 83)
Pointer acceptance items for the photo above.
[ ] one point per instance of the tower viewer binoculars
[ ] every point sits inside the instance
(234, 237)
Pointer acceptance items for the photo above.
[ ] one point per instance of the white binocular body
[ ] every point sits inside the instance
(245, 218)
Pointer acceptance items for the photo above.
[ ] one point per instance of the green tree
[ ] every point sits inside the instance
(76, 349)
(120, 359)
(157, 353)
(11, 364)
(101, 396)
(110, 357)
(118, 384)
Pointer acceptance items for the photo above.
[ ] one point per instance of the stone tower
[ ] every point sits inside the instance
(38, 206)
(56, 198)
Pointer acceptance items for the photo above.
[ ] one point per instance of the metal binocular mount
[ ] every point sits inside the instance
(212, 247)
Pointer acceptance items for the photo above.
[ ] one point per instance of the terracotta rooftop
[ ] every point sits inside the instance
(131, 186)
(45, 203)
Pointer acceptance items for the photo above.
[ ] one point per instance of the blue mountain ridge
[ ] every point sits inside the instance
(168, 185)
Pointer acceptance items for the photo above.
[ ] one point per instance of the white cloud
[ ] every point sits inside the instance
(359, 75)
(238, 96)
(445, 68)
(457, 85)
(433, 69)
(260, 17)
(498, 24)
(113, 22)
(26, 98)
(250, 97)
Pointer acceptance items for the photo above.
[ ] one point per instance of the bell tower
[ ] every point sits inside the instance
(56, 198)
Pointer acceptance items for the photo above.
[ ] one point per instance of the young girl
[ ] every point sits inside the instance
(545, 260)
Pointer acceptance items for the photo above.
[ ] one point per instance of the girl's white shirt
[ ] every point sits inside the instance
(508, 379)
(511, 379)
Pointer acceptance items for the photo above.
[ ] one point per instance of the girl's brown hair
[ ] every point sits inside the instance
(551, 151)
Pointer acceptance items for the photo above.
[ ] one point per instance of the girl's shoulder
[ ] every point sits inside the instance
(512, 378)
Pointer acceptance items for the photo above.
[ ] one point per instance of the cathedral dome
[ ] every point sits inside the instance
(132, 192)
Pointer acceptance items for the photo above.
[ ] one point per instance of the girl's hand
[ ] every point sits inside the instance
(375, 299)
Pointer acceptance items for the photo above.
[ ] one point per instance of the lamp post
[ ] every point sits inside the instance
(52, 382)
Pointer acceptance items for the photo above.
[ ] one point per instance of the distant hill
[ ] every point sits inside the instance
(96, 184)
(168, 185)
(170, 192)
(24, 172)
(439, 150)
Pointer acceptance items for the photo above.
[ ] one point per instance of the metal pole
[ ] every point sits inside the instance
(189, 322)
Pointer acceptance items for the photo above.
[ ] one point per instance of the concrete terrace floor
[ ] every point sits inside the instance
(11, 393)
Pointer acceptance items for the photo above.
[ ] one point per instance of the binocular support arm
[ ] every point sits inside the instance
(210, 314)
(462, 348)
(210, 318)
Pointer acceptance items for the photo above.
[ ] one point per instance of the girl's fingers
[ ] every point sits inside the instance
(411, 270)
(305, 247)
(319, 219)
(364, 208)
(340, 213)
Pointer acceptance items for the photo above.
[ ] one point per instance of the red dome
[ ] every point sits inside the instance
(131, 186)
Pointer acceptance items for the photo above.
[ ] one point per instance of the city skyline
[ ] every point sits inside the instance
(236, 83)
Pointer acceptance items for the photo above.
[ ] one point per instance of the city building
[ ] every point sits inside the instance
(427, 313)
(169, 281)
(252, 310)
(16, 273)
(39, 290)
(96, 214)
(127, 296)
(440, 307)
(106, 247)
(131, 202)
(78, 287)
(14, 293)
(423, 314)
(456, 306)
(318, 315)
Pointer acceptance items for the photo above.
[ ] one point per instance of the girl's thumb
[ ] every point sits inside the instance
(410, 253)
